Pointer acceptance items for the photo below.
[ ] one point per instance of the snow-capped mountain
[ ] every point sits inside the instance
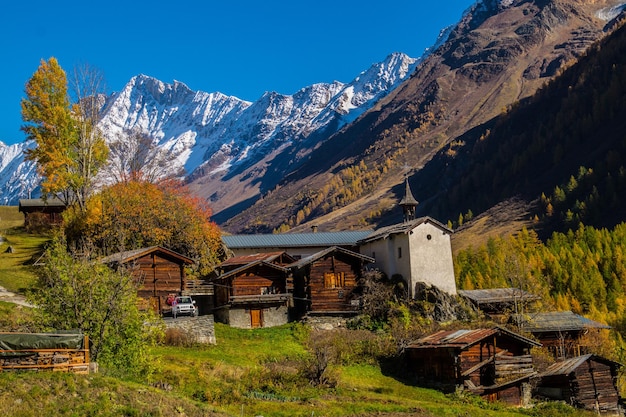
(210, 132)
(18, 177)
(212, 136)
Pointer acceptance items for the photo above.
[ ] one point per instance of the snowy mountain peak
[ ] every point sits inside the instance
(215, 136)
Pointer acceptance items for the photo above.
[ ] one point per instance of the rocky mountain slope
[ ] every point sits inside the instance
(500, 53)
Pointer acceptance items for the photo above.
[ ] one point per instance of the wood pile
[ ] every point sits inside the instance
(37, 352)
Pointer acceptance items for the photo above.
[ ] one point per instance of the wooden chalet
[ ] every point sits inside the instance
(587, 381)
(50, 208)
(494, 363)
(562, 332)
(256, 294)
(499, 303)
(327, 282)
(160, 272)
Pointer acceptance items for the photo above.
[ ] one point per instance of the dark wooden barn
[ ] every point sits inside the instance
(159, 272)
(587, 381)
(494, 363)
(327, 282)
(49, 210)
(257, 294)
(564, 333)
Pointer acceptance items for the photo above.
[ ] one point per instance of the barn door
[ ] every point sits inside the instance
(256, 319)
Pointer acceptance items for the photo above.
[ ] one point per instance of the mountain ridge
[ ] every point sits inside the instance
(492, 59)
(212, 134)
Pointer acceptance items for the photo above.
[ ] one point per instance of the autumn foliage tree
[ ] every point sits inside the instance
(136, 214)
(70, 148)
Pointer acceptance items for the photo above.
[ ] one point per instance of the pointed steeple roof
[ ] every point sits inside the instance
(408, 198)
(408, 202)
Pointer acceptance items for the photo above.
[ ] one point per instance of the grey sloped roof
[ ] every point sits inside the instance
(294, 240)
(497, 295)
(556, 321)
(405, 227)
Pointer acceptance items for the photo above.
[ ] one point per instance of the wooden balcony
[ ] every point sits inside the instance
(198, 287)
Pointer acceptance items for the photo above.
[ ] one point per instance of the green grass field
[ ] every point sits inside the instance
(18, 251)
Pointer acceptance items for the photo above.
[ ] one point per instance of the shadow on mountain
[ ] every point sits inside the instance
(222, 216)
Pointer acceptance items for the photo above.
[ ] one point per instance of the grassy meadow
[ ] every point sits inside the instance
(258, 372)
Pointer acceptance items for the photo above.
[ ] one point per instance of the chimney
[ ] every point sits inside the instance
(314, 228)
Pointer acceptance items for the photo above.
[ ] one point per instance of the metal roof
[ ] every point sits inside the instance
(497, 295)
(405, 227)
(465, 338)
(294, 240)
(568, 366)
(556, 321)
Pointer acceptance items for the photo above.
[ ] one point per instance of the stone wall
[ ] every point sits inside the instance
(200, 329)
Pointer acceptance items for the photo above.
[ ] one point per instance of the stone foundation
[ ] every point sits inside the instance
(201, 329)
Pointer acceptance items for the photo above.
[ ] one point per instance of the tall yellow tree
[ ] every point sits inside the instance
(70, 148)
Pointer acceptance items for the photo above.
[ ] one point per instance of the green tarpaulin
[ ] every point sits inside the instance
(33, 341)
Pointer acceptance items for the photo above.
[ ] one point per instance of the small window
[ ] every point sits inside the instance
(429, 237)
(374, 255)
(399, 253)
(334, 280)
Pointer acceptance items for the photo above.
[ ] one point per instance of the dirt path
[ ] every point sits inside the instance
(11, 297)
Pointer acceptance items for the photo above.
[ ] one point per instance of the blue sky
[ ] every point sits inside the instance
(240, 48)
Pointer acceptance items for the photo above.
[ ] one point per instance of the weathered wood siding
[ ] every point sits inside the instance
(336, 296)
(492, 361)
(258, 280)
(593, 387)
(562, 344)
(158, 277)
(434, 367)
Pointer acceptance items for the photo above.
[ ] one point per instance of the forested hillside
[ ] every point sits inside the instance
(493, 62)
(564, 146)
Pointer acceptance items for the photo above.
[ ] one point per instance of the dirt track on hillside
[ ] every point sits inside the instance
(11, 297)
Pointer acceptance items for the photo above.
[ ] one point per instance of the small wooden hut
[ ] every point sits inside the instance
(257, 294)
(494, 363)
(562, 332)
(159, 272)
(36, 209)
(587, 381)
(327, 282)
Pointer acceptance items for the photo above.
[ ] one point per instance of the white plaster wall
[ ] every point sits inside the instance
(431, 258)
(385, 252)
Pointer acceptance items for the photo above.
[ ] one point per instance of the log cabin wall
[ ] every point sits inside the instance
(158, 276)
(472, 357)
(594, 387)
(259, 280)
(331, 282)
(562, 345)
(434, 367)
